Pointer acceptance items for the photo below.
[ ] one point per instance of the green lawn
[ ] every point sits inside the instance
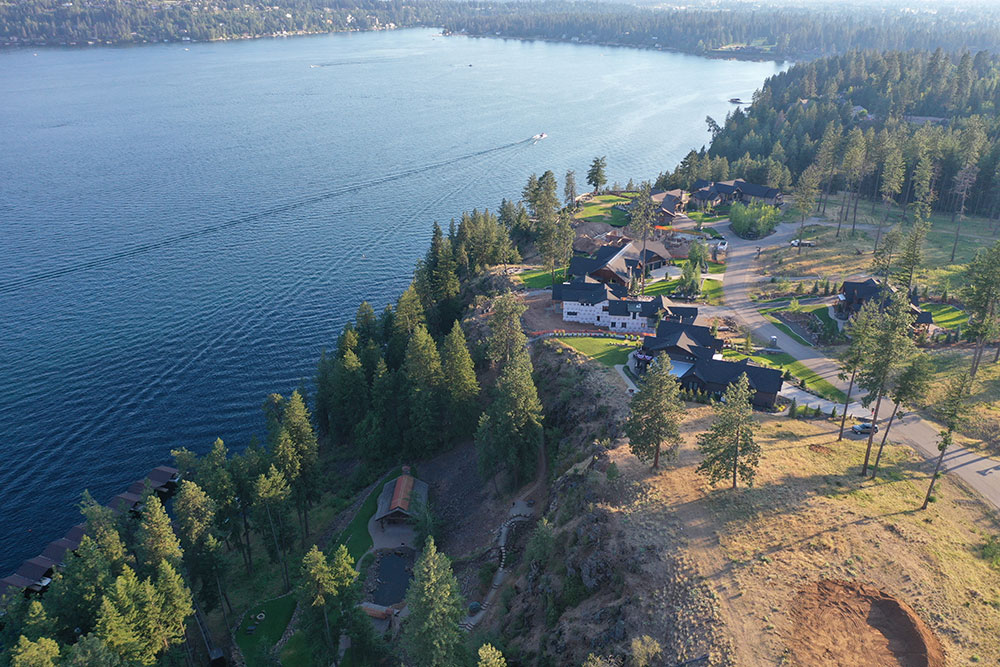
(608, 351)
(599, 209)
(711, 290)
(784, 328)
(784, 361)
(714, 267)
(356, 535)
(699, 216)
(296, 652)
(256, 647)
(661, 287)
(945, 316)
(540, 278)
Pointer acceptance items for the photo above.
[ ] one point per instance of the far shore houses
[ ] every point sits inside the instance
(708, 194)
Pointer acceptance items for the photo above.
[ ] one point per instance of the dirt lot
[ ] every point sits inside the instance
(544, 314)
(770, 552)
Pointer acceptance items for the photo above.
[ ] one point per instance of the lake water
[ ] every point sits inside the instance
(184, 228)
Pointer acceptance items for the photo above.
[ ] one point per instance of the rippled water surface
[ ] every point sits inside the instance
(182, 230)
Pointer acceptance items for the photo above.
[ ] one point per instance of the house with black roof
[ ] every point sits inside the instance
(620, 263)
(708, 193)
(855, 293)
(696, 360)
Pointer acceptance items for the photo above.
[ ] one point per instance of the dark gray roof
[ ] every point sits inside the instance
(587, 290)
(691, 338)
(754, 190)
(722, 372)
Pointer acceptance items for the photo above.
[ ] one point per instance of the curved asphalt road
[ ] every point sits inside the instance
(982, 473)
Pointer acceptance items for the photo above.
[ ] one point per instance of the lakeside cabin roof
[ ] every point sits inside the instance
(56, 550)
(399, 497)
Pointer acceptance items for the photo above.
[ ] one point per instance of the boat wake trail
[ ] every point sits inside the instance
(31, 279)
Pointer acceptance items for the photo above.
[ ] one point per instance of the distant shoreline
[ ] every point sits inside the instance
(715, 54)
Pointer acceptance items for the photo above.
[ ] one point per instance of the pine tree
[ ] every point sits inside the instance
(950, 410)
(806, 192)
(174, 605)
(595, 175)
(910, 388)
(195, 513)
(510, 431)
(569, 189)
(981, 293)
(912, 254)
(459, 376)
(424, 378)
(409, 314)
(431, 633)
(490, 657)
(555, 242)
(506, 338)
(656, 416)
(350, 395)
(119, 619)
(641, 219)
(862, 330)
(156, 540)
(41, 653)
(890, 346)
(366, 324)
(729, 447)
(271, 492)
(90, 651)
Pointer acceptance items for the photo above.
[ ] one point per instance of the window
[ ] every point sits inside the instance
(612, 325)
(571, 313)
(598, 318)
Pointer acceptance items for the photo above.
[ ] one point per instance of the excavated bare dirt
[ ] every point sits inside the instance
(849, 624)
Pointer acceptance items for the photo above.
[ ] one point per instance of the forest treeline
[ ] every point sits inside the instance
(898, 128)
(751, 29)
(734, 30)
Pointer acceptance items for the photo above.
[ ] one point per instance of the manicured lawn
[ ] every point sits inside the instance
(784, 361)
(608, 351)
(599, 209)
(256, 647)
(711, 290)
(661, 287)
(540, 278)
(714, 267)
(356, 535)
(784, 328)
(699, 216)
(945, 316)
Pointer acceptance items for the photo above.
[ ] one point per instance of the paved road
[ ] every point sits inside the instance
(980, 472)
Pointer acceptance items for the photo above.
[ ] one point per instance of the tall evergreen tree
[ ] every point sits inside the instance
(656, 415)
(41, 653)
(642, 216)
(459, 379)
(595, 175)
(431, 633)
(950, 410)
(889, 347)
(424, 377)
(506, 338)
(729, 447)
(982, 301)
(555, 242)
(156, 540)
(909, 388)
(569, 189)
(510, 431)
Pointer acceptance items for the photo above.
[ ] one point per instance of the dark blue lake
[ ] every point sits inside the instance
(184, 227)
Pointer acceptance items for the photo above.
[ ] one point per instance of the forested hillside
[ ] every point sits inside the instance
(741, 29)
(732, 30)
(894, 126)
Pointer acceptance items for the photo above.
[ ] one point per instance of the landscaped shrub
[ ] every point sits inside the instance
(753, 221)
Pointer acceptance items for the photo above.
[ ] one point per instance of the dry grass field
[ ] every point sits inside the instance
(815, 566)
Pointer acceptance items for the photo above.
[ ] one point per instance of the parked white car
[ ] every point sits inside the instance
(723, 246)
(805, 244)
